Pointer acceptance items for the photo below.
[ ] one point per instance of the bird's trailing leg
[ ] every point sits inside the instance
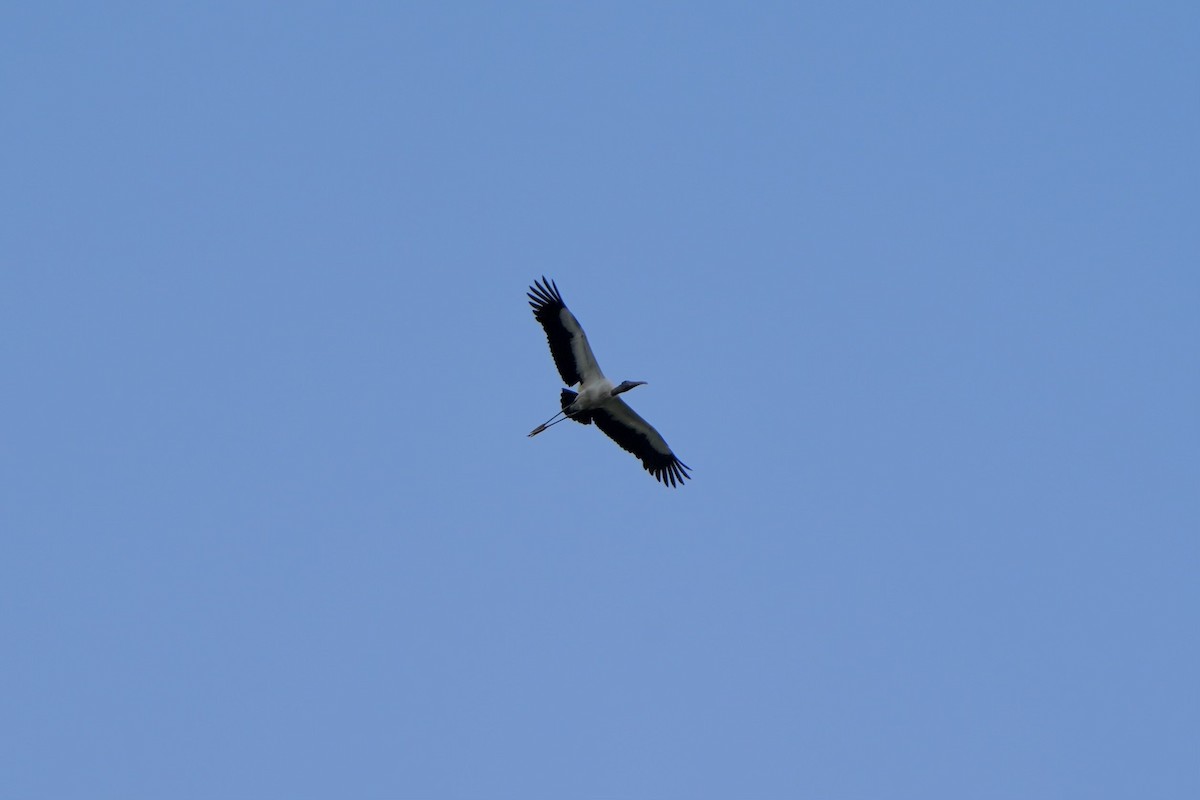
(545, 425)
(551, 422)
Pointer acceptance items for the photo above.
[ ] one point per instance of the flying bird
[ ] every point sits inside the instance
(597, 399)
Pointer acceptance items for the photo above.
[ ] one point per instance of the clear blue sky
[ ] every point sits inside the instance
(916, 291)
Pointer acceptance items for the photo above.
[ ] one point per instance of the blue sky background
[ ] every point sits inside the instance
(915, 287)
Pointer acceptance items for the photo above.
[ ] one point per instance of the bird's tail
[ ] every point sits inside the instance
(568, 397)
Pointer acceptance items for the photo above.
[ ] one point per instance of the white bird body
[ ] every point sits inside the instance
(593, 394)
(597, 399)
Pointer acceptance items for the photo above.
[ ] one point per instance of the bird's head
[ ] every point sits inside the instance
(626, 386)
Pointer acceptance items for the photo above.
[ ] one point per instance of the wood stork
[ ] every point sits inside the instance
(597, 400)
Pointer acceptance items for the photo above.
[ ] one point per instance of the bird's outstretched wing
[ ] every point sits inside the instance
(568, 343)
(623, 425)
